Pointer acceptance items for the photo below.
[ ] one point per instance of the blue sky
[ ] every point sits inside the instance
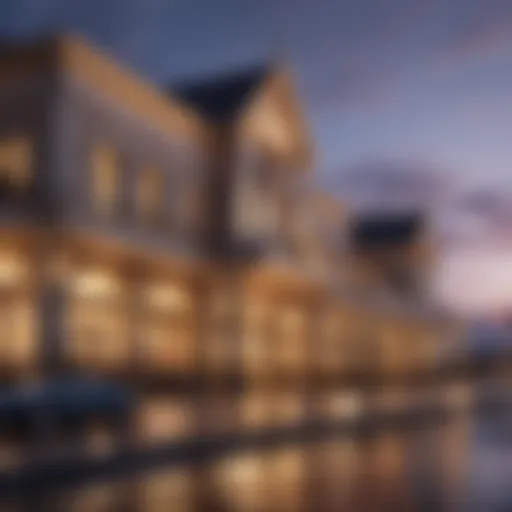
(425, 85)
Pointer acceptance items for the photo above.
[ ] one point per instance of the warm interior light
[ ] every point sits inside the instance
(270, 126)
(345, 405)
(168, 297)
(163, 419)
(12, 270)
(292, 319)
(95, 283)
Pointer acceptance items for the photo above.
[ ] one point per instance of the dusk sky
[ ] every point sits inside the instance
(421, 86)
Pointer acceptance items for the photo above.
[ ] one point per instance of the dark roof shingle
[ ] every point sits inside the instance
(385, 230)
(220, 99)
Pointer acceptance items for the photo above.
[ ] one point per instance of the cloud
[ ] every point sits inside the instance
(390, 184)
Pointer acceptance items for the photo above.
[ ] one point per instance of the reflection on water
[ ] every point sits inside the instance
(461, 465)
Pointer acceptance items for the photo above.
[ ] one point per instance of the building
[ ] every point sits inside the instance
(172, 241)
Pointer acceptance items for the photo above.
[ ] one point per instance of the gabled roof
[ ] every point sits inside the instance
(220, 99)
(385, 230)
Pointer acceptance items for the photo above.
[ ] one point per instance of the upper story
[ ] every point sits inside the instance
(223, 165)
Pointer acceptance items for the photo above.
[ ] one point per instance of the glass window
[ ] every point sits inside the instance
(162, 419)
(240, 482)
(151, 196)
(289, 352)
(166, 334)
(329, 353)
(288, 408)
(106, 184)
(256, 197)
(256, 343)
(17, 313)
(286, 479)
(257, 410)
(97, 320)
(16, 162)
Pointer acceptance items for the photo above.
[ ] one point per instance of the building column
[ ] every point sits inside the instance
(52, 282)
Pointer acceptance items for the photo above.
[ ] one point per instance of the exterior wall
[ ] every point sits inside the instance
(87, 120)
(26, 111)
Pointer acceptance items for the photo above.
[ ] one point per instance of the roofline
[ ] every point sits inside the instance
(72, 56)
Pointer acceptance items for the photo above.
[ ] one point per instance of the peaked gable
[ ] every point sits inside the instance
(275, 118)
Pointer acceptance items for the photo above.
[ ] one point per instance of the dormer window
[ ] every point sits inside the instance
(105, 179)
(15, 164)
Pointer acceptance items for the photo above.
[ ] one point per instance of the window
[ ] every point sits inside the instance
(240, 481)
(341, 405)
(17, 313)
(257, 410)
(105, 179)
(291, 340)
(162, 419)
(288, 408)
(15, 163)
(286, 478)
(256, 339)
(150, 196)
(329, 352)
(222, 328)
(256, 208)
(97, 320)
(167, 329)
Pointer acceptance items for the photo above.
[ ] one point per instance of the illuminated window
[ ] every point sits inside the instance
(258, 411)
(166, 491)
(18, 333)
(256, 212)
(167, 331)
(105, 179)
(286, 478)
(16, 162)
(288, 408)
(342, 405)
(289, 352)
(164, 419)
(256, 338)
(97, 320)
(168, 298)
(330, 344)
(240, 481)
(151, 196)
